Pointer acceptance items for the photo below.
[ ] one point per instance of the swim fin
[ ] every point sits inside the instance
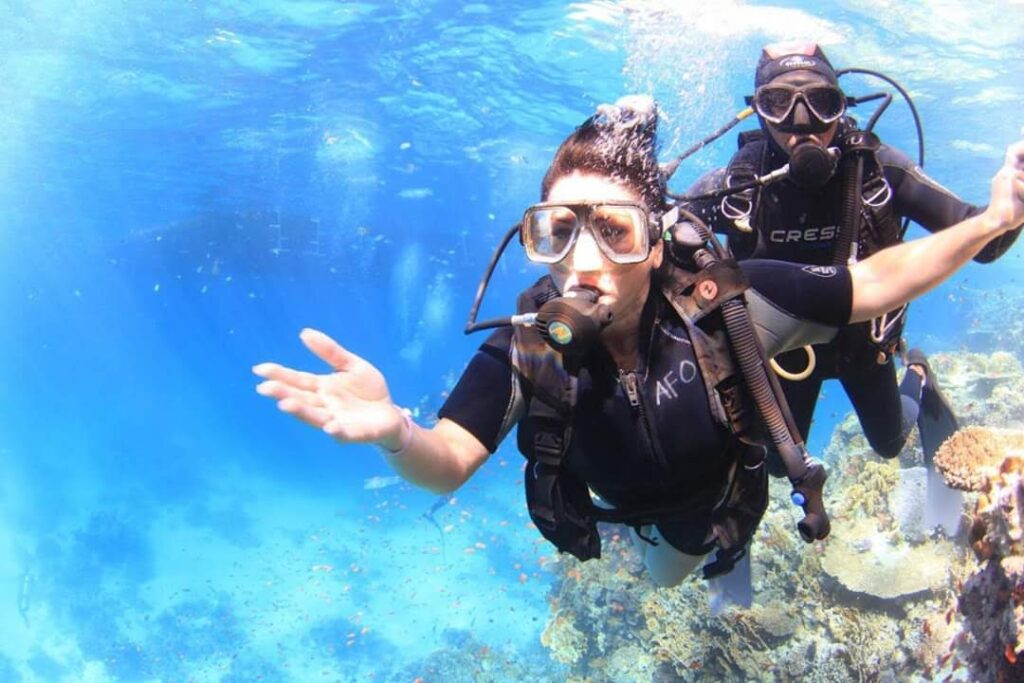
(936, 423)
(734, 589)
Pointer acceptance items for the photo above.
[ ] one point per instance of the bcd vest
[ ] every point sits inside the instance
(560, 504)
(880, 226)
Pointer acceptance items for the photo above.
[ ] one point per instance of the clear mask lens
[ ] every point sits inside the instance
(621, 230)
(775, 102)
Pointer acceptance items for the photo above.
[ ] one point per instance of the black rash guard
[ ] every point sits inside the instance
(665, 445)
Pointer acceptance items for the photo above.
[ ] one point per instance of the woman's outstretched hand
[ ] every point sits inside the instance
(351, 402)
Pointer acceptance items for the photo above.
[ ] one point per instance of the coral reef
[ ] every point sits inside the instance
(879, 566)
(992, 599)
(466, 659)
(970, 456)
(876, 601)
(869, 493)
(986, 390)
(567, 643)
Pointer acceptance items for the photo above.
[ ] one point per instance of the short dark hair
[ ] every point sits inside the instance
(616, 145)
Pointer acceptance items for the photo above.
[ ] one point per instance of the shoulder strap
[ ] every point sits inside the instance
(745, 163)
(748, 136)
(535, 361)
(559, 504)
(696, 298)
(743, 208)
(881, 224)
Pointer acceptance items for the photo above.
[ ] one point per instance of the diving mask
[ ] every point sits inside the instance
(624, 231)
(774, 102)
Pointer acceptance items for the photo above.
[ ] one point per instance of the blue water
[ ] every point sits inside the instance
(184, 186)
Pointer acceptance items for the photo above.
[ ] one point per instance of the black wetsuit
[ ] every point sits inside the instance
(667, 448)
(795, 224)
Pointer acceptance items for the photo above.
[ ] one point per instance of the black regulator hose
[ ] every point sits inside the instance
(886, 101)
(806, 475)
(906, 98)
(913, 112)
(850, 216)
(472, 325)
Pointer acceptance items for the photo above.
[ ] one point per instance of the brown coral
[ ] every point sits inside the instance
(974, 452)
(997, 529)
(991, 598)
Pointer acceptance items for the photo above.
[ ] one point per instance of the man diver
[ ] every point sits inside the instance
(842, 201)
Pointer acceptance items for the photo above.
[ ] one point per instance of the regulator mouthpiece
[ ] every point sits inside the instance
(572, 323)
(811, 165)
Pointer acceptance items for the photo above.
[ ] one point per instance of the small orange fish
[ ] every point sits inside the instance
(1010, 654)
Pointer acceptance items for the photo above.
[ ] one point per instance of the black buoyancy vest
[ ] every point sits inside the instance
(879, 229)
(560, 504)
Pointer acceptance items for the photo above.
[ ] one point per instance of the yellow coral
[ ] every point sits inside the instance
(870, 493)
(670, 617)
(566, 642)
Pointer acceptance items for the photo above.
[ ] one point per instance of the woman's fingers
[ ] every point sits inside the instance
(311, 415)
(281, 391)
(348, 396)
(305, 381)
(328, 350)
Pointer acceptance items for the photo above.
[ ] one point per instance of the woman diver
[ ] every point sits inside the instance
(630, 428)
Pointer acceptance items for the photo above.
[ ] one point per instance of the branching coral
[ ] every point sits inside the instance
(671, 619)
(866, 639)
(869, 496)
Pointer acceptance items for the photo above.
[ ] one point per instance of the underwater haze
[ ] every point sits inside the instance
(184, 186)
